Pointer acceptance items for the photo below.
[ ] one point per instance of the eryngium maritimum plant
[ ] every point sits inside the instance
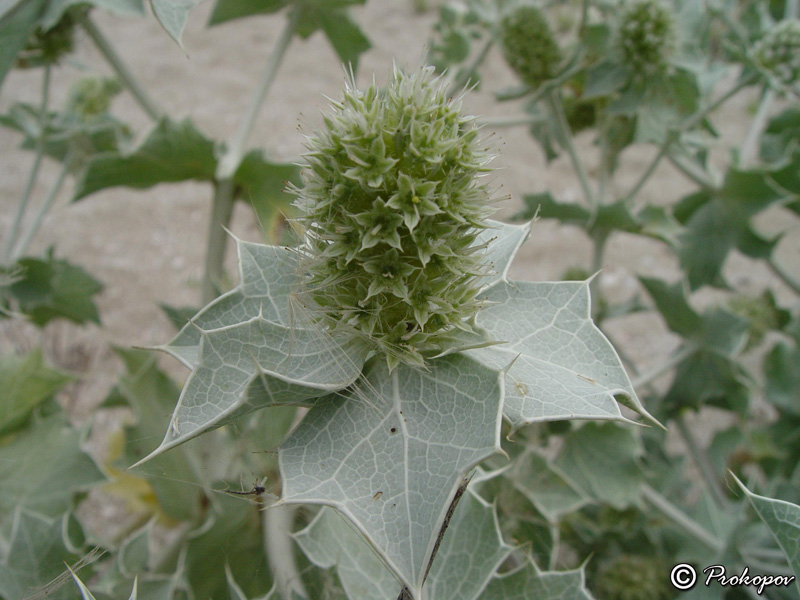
(399, 256)
(647, 35)
(529, 46)
(392, 206)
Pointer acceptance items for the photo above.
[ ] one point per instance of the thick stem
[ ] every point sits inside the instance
(277, 528)
(230, 161)
(221, 211)
(224, 188)
(680, 518)
(119, 67)
(669, 364)
(556, 107)
(710, 479)
(43, 210)
(22, 207)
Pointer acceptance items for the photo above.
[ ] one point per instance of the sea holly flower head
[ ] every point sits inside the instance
(529, 46)
(646, 35)
(778, 52)
(393, 206)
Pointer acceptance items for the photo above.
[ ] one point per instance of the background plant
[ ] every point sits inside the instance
(642, 500)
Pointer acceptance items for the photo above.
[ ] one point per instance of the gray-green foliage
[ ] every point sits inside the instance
(385, 445)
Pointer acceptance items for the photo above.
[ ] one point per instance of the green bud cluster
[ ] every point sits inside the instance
(778, 52)
(392, 209)
(646, 35)
(529, 46)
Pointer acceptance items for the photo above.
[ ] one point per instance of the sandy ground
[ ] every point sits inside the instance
(148, 246)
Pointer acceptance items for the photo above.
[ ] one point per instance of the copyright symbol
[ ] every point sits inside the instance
(683, 576)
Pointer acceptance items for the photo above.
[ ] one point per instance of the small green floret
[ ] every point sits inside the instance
(90, 97)
(778, 52)
(392, 208)
(529, 46)
(647, 35)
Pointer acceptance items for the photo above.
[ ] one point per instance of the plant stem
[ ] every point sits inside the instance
(43, 210)
(221, 211)
(277, 528)
(224, 188)
(666, 366)
(779, 271)
(464, 79)
(748, 151)
(119, 67)
(599, 239)
(233, 156)
(710, 479)
(556, 107)
(688, 124)
(22, 207)
(693, 172)
(681, 519)
(637, 187)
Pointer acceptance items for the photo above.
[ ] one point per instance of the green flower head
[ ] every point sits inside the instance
(778, 52)
(392, 207)
(529, 46)
(647, 35)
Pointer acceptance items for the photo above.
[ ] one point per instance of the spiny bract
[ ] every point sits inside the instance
(646, 35)
(529, 46)
(778, 52)
(392, 209)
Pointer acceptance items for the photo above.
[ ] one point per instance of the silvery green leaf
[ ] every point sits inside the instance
(503, 241)
(391, 456)
(783, 520)
(550, 490)
(43, 467)
(529, 583)
(602, 458)
(256, 364)
(35, 556)
(268, 280)
(331, 541)
(471, 551)
(246, 352)
(172, 15)
(563, 366)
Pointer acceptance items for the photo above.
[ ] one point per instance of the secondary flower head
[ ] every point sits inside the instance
(529, 46)
(778, 52)
(647, 35)
(392, 208)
